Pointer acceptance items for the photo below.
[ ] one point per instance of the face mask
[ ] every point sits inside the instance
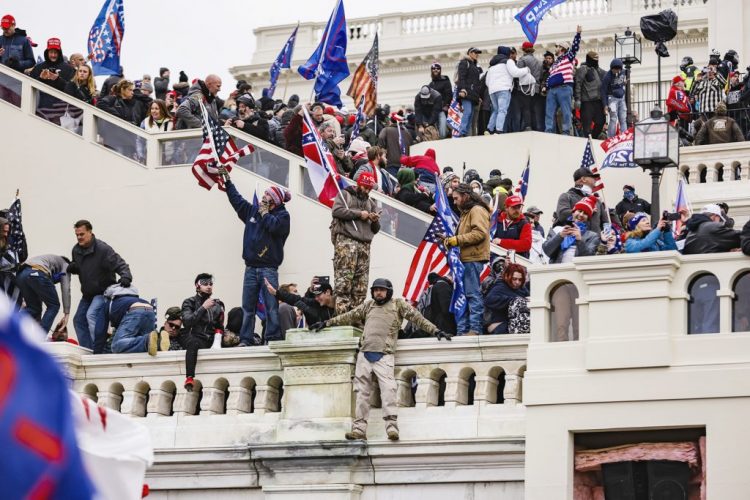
(477, 190)
(586, 190)
(630, 195)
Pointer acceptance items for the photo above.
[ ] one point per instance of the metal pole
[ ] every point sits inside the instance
(628, 98)
(658, 78)
(656, 171)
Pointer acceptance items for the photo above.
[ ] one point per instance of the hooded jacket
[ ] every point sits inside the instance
(388, 139)
(443, 85)
(654, 241)
(18, 52)
(745, 238)
(265, 235)
(189, 111)
(586, 246)
(161, 86)
(719, 129)
(96, 267)
(64, 70)
(473, 234)
(535, 68)
(125, 109)
(361, 230)
(613, 85)
(427, 111)
(678, 104)
(503, 70)
(588, 81)
(424, 166)
(635, 205)
(468, 79)
(706, 236)
(497, 301)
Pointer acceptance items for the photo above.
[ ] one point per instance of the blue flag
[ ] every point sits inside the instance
(283, 60)
(40, 457)
(531, 15)
(328, 63)
(359, 118)
(105, 39)
(449, 222)
(260, 307)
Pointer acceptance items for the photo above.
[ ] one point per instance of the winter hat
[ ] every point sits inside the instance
(432, 278)
(351, 119)
(527, 47)
(634, 220)
(592, 54)
(513, 201)
(395, 117)
(436, 65)
(503, 50)
(278, 195)
(7, 21)
(366, 179)
(147, 87)
(448, 177)
(495, 173)
(329, 110)
(183, 77)
(406, 177)
(54, 43)
(358, 146)
(586, 205)
(677, 79)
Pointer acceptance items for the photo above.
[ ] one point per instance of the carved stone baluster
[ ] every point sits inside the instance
(186, 403)
(160, 403)
(486, 391)
(240, 400)
(109, 400)
(456, 392)
(512, 390)
(404, 397)
(266, 399)
(213, 401)
(427, 393)
(133, 403)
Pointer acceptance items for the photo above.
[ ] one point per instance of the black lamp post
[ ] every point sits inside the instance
(656, 146)
(628, 49)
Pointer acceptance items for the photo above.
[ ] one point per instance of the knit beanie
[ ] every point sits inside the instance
(278, 195)
(586, 205)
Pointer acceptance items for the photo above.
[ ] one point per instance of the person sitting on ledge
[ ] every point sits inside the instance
(382, 317)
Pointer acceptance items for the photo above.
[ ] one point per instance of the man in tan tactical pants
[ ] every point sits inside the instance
(382, 317)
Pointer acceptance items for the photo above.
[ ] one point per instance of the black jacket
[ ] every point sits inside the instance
(438, 312)
(79, 92)
(496, 304)
(427, 111)
(313, 311)
(201, 322)
(413, 198)
(468, 79)
(635, 206)
(96, 267)
(124, 109)
(256, 126)
(161, 87)
(706, 236)
(65, 71)
(745, 238)
(443, 85)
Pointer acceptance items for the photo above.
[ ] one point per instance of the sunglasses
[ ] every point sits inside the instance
(206, 282)
(176, 327)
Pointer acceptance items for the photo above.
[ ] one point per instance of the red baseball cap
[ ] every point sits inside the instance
(527, 45)
(513, 201)
(31, 42)
(54, 43)
(7, 21)
(366, 179)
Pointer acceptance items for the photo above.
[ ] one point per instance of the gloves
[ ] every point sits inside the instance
(125, 282)
(443, 335)
(450, 242)
(73, 268)
(316, 327)
(263, 208)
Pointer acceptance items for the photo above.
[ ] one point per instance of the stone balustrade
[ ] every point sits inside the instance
(716, 163)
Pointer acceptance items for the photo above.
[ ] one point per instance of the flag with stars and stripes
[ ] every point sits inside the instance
(588, 161)
(16, 237)
(523, 183)
(455, 114)
(218, 149)
(321, 167)
(105, 38)
(365, 80)
(360, 117)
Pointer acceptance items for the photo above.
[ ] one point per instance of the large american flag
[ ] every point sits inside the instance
(455, 114)
(588, 161)
(365, 80)
(207, 163)
(429, 258)
(17, 238)
(360, 117)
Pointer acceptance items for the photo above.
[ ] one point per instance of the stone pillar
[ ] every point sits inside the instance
(456, 392)
(212, 402)
(318, 371)
(486, 391)
(266, 399)
(512, 390)
(427, 392)
(186, 403)
(240, 400)
(159, 403)
(744, 172)
(133, 403)
(403, 393)
(109, 400)
(694, 175)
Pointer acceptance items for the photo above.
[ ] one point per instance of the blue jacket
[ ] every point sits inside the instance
(264, 238)
(496, 304)
(120, 306)
(613, 85)
(18, 54)
(653, 242)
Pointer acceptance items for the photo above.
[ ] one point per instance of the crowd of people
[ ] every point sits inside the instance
(553, 94)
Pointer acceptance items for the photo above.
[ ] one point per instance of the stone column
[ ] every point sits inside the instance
(240, 400)
(185, 403)
(159, 403)
(456, 392)
(318, 371)
(512, 390)
(212, 402)
(427, 393)
(109, 400)
(486, 391)
(133, 403)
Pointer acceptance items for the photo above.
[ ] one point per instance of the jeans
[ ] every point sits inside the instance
(617, 114)
(466, 118)
(500, 102)
(472, 319)
(592, 112)
(89, 323)
(37, 289)
(132, 333)
(442, 125)
(253, 284)
(559, 97)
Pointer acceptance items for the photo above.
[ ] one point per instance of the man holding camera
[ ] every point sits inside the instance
(53, 71)
(203, 318)
(382, 317)
(266, 230)
(248, 119)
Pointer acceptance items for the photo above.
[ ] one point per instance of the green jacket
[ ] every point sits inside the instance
(382, 323)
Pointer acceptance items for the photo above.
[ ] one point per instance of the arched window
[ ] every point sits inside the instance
(563, 313)
(741, 304)
(703, 305)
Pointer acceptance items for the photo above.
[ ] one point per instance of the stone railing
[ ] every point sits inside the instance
(716, 163)
(305, 378)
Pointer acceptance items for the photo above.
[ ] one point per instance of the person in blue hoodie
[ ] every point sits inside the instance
(134, 322)
(641, 238)
(613, 97)
(266, 230)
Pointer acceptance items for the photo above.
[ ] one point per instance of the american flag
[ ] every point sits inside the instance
(360, 117)
(105, 38)
(523, 183)
(17, 238)
(215, 139)
(681, 204)
(365, 80)
(589, 162)
(455, 114)
(429, 258)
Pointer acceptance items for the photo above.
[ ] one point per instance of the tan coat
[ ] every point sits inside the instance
(473, 235)
(361, 230)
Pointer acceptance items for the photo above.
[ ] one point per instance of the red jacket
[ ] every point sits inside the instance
(678, 102)
(426, 162)
(510, 228)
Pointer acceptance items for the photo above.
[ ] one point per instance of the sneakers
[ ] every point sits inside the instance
(189, 384)
(153, 343)
(355, 434)
(393, 434)
(163, 340)
(471, 334)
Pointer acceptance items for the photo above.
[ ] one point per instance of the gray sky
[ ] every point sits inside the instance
(197, 36)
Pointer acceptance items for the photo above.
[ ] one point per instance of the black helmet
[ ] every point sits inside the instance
(732, 56)
(385, 284)
(471, 175)
(686, 61)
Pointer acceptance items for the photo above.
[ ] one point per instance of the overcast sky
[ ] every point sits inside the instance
(197, 36)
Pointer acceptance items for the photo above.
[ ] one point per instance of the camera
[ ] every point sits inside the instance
(669, 216)
(324, 279)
